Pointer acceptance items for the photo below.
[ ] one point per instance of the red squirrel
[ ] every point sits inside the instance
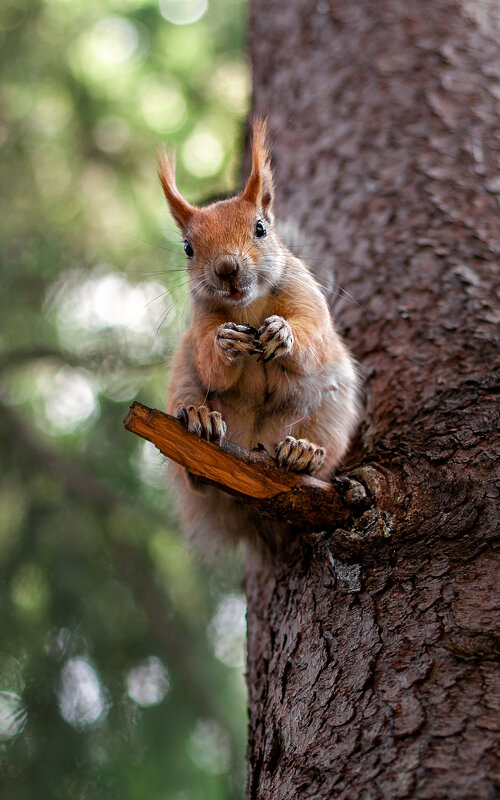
(262, 361)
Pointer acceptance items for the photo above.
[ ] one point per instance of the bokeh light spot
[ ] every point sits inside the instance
(209, 747)
(87, 306)
(183, 12)
(231, 85)
(163, 105)
(227, 631)
(30, 591)
(81, 698)
(150, 464)
(69, 397)
(113, 40)
(148, 682)
(202, 154)
(13, 715)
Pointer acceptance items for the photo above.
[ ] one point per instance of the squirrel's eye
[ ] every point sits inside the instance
(188, 249)
(260, 230)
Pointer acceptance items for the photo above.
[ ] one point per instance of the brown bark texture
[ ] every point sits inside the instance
(377, 677)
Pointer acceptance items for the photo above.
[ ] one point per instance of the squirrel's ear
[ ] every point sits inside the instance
(259, 189)
(180, 209)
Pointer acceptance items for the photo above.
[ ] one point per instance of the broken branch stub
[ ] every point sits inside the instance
(250, 475)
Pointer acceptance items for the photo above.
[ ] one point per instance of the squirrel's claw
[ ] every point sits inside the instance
(275, 338)
(219, 427)
(237, 340)
(299, 455)
(204, 423)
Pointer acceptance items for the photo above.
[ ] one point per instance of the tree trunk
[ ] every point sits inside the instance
(376, 679)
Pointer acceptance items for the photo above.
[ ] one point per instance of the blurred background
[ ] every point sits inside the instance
(121, 657)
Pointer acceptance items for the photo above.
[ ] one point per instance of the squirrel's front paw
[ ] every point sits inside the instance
(275, 337)
(299, 455)
(237, 340)
(205, 423)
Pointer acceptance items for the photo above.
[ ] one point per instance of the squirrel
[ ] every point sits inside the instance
(262, 362)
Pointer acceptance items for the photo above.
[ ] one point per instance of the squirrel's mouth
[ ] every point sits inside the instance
(232, 293)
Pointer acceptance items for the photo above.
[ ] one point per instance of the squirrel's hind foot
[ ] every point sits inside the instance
(204, 423)
(299, 455)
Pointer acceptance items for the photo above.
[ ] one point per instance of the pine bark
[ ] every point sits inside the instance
(378, 677)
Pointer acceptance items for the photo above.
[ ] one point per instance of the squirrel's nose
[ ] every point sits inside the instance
(225, 266)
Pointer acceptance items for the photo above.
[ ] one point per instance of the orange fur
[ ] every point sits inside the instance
(259, 188)
(181, 210)
(262, 350)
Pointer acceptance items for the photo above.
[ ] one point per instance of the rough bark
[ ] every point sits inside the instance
(376, 679)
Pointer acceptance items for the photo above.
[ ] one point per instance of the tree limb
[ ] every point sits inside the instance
(250, 475)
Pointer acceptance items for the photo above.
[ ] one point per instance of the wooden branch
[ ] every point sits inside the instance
(251, 475)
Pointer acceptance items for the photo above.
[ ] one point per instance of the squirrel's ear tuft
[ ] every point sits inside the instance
(180, 209)
(259, 189)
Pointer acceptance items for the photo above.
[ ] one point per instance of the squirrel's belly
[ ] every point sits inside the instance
(261, 410)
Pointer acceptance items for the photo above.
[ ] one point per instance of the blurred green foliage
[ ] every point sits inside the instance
(121, 658)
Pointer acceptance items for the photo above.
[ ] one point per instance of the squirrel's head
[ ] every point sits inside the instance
(234, 255)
